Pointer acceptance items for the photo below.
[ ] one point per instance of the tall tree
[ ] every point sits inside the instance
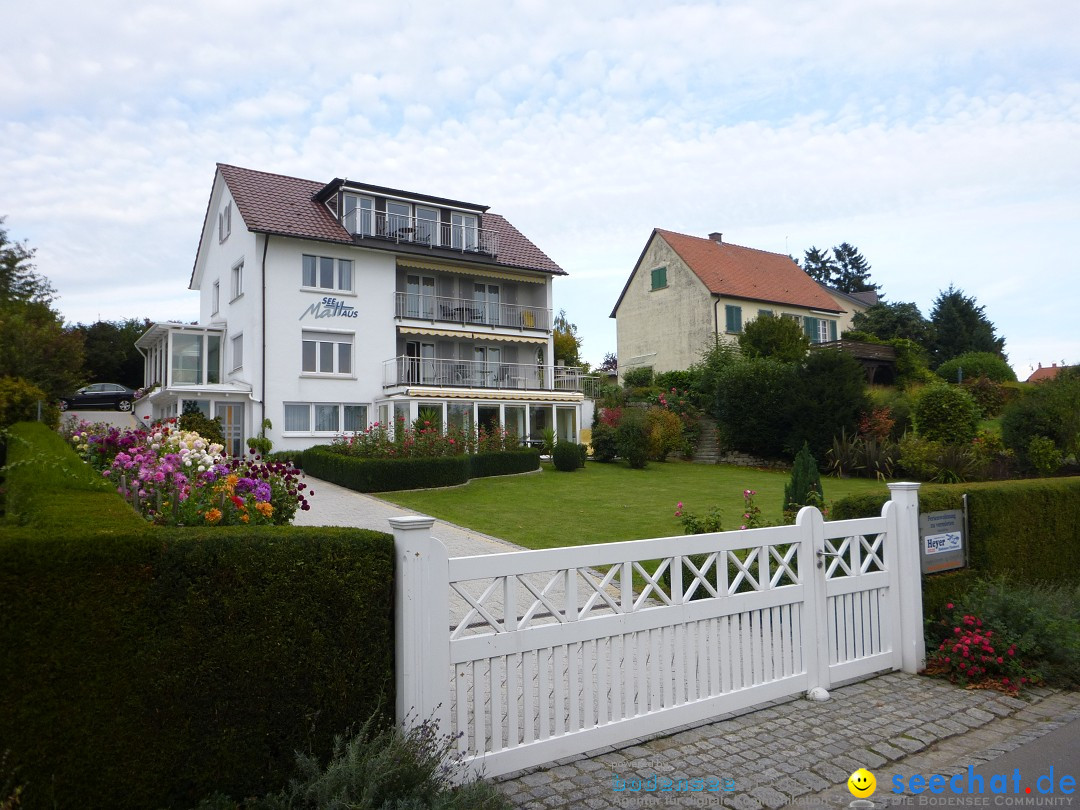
(609, 363)
(566, 340)
(889, 321)
(33, 342)
(819, 265)
(110, 353)
(18, 280)
(852, 272)
(959, 324)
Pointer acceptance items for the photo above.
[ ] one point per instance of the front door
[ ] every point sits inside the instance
(232, 426)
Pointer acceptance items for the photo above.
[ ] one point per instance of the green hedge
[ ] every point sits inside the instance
(150, 667)
(390, 474)
(1028, 530)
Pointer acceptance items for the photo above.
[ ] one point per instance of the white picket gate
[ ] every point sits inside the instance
(556, 652)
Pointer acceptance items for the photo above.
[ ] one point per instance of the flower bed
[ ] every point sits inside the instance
(178, 478)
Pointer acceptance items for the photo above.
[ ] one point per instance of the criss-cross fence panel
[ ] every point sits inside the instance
(534, 655)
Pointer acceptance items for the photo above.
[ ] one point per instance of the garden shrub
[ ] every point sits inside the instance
(385, 474)
(632, 439)
(830, 396)
(156, 665)
(641, 377)
(1026, 529)
(665, 433)
(1050, 409)
(604, 445)
(210, 429)
(566, 457)
(681, 380)
(505, 462)
(1043, 455)
(898, 403)
(988, 395)
(946, 413)
(804, 488)
(583, 453)
(19, 401)
(753, 405)
(974, 365)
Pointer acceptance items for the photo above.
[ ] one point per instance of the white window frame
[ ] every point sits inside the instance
(312, 409)
(225, 222)
(236, 280)
(237, 356)
(366, 206)
(215, 298)
(321, 338)
(336, 280)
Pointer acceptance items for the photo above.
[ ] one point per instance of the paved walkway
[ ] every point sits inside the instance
(337, 506)
(800, 753)
(790, 753)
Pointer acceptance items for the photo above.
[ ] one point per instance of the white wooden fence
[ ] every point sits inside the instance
(535, 655)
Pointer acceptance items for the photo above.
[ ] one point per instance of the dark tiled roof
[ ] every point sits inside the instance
(276, 204)
(743, 272)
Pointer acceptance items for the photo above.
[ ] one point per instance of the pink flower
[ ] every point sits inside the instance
(949, 606)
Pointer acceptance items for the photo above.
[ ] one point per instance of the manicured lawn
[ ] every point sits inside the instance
(607, 502)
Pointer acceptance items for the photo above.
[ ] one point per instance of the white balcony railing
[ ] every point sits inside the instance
(470, 311)
(419, 231)
(449, 373)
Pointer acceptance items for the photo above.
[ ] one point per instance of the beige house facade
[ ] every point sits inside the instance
(686, 292)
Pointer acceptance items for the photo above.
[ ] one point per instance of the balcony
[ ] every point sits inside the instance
(467, 238)
(470, 311)
(447, 373)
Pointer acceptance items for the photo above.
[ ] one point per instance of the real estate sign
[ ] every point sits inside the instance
(941, 540)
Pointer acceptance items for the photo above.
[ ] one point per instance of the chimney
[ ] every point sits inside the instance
(717, 237)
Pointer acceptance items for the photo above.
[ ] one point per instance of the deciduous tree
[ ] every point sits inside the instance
(780, 338)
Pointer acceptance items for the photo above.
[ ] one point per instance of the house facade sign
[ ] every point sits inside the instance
(330, 307)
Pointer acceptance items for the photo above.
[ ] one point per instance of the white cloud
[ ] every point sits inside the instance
(940, 139)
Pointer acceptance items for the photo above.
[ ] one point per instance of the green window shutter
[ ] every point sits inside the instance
(832, 330)
(659, 278)
(733, 317)
(810, 326)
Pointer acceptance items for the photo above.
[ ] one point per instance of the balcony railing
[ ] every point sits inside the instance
(447, 373)
(470, 311)
(419, 231)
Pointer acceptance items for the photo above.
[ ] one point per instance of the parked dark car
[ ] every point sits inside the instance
(99, 396)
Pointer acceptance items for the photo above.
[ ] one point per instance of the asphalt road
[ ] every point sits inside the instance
(1057, 752)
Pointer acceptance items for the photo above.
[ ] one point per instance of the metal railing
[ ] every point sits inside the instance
(420, 231)
(451, 373)
(470, 311)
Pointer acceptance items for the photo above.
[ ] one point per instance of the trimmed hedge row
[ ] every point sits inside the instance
(1028, 529)
(151, 667)
(390, 474)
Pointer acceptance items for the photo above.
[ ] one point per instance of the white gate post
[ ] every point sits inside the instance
(906, 498)
(815, 623)
(421, 623)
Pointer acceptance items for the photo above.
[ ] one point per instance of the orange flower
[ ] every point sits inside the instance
(264, 508)
(244, 518)
(213, 516)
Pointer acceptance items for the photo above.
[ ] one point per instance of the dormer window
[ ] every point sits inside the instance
(225, 222)
(359, 215)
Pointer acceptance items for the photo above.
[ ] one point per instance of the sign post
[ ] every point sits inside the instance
(942, 543)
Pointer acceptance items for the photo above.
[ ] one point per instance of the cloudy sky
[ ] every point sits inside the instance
(940, 138)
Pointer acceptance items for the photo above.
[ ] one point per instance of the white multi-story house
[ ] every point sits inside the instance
(326, 307)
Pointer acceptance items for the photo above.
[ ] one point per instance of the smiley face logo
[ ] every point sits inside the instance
(862, 784)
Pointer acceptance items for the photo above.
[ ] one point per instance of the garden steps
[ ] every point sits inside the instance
(707, 450)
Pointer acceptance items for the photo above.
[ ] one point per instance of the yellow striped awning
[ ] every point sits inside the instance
(496, 394)
(424, 264)
(464, 335)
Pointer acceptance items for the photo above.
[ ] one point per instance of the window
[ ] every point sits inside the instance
(427, 226)
(659, 278)
(733, 318)
(297, 418)
(819, 330)
(327, 418)
(215, 298)
(355, 418)
(463, 231)
(237, 344)
(326, 273)
(196, 358)
(327, 353)
(238, 280)
(359, 214)
(398, 217)
(761, 312)
(225, 222)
